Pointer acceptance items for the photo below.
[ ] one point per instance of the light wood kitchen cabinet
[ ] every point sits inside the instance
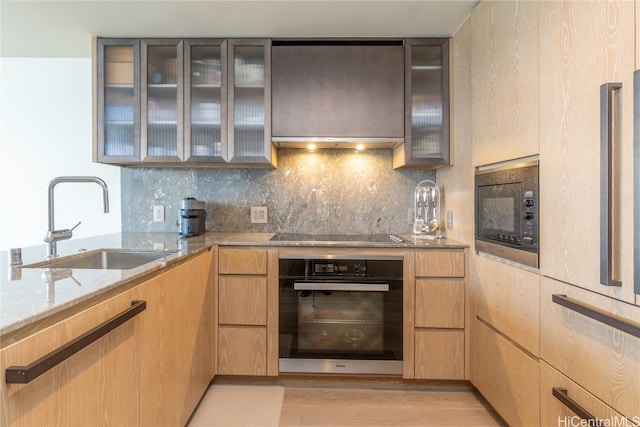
(183, 101)
(505, 95)
(242, 300)
(508, 299)
(584, 45)
(438, 313)
(558, 394)
(98, 385)
(506, 339)
(426, 109)
(177, 342)
(599, 357)
(247, 311)
(507, 377)
(242, 260)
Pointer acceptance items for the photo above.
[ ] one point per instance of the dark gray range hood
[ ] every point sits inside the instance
(337, 94)
(331, 142)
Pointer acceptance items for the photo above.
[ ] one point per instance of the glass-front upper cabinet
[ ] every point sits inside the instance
(162, 100)
(426, 105)
(250, 101)
(118, 101)
(205, 100)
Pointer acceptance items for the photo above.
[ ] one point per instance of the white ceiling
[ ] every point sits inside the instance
(52, 28)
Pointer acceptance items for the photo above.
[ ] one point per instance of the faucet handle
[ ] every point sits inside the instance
(55, 235)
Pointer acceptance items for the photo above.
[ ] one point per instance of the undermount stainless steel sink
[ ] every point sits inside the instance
(104, 259)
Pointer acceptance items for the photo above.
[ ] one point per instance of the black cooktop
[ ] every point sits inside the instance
(312, 237)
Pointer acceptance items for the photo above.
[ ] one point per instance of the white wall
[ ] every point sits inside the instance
(45, 131)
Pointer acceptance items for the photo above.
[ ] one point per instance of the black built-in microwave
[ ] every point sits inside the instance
(507, 220)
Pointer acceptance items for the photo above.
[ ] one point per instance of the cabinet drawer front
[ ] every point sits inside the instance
(242, 261)
(439, 303)
(242, 351)
(554, 412)
(508, 298)
(440, 264)
(439, 355)
(507, 377)
(242, 300)
(602, 359)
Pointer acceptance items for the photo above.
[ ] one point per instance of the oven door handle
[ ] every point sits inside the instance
(332, 286)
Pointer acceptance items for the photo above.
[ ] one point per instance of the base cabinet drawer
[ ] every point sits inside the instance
(507, 377)
(440, 263)
(440, 303)
(242, 261)
(242, 300)
(565, 403)
(242, 350)
(601, 358)
(439, 354)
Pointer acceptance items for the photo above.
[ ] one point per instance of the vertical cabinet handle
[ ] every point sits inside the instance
(562, 395)
(26, 374)
(607, 184)
(636, 181)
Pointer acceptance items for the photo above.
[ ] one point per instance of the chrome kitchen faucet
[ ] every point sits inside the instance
(53, 235)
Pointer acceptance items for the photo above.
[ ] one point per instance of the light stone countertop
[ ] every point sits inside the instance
(29, 296)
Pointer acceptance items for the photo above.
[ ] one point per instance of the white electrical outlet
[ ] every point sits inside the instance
(158, 213)
(259, 215)
(449, 220)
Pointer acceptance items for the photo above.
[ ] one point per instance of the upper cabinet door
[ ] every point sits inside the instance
(162, 100)
(426, 129)
(249, 98)
(584, 45)
(505, 79)
(205, 101)
(118, 101)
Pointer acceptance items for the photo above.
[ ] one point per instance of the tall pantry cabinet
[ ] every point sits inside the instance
(559, 333)
(505, 124)
(589, 367)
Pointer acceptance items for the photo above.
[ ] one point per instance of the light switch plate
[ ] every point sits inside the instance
(158, 213)
(259, 215)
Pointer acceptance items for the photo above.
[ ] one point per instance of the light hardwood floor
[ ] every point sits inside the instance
(365, 401)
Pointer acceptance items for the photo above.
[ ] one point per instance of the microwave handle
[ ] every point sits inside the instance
(333, 286)
(606, 184)
(636, 181)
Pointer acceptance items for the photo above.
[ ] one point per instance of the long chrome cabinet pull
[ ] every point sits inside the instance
(636, 181)
(606, 183)
(562, 395)
(620, 323)
(25, 374)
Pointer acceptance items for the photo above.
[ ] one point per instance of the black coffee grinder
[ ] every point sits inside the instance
(191, 218)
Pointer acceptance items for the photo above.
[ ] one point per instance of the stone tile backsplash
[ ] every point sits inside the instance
(328, 191)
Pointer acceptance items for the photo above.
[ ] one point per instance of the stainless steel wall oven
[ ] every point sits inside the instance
(340, 314)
